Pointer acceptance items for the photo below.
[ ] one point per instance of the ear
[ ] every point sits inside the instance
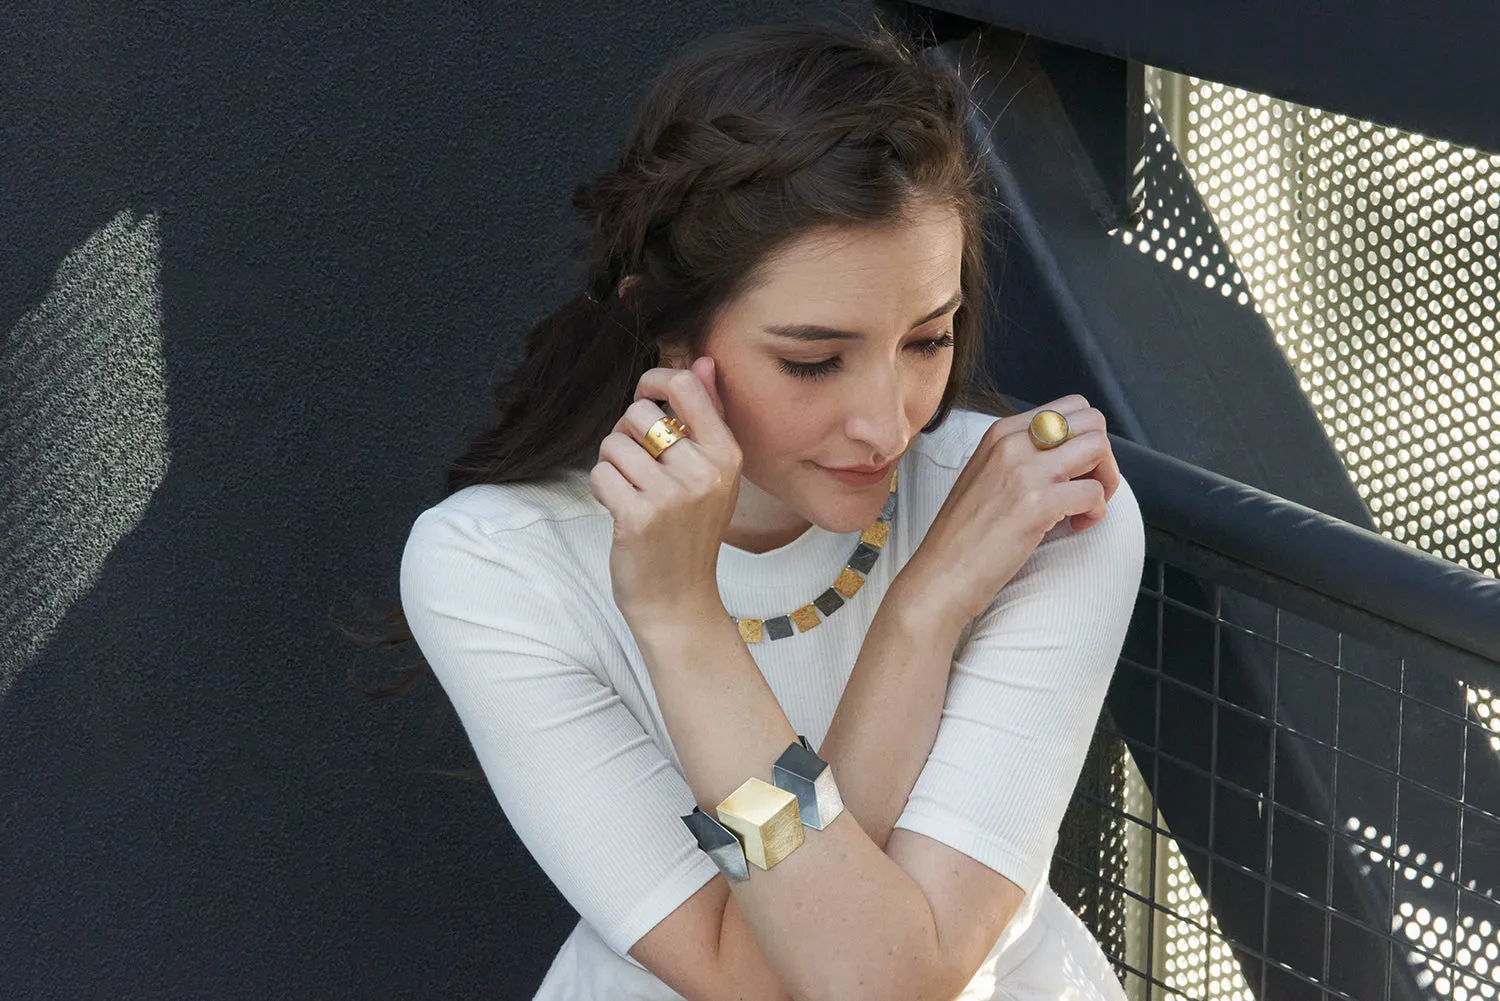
(673, 357)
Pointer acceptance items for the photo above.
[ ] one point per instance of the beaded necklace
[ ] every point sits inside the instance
(871, 544)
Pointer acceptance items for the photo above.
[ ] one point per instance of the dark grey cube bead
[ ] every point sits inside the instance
(797, 771)
(828, 602)
(719, 843)
(806, 793)
(864, 557)
(799, 762)
(778, 628)
(889, 511)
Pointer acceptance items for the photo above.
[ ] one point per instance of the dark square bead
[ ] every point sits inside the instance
(864, 557)
(828, 602)
(778, 628)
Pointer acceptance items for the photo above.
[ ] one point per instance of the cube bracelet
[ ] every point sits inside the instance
(762, 823)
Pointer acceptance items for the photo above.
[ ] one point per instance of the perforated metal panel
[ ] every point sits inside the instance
(1374, 257)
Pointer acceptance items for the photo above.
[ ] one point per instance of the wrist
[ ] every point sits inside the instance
(668, 619)
(917, 599)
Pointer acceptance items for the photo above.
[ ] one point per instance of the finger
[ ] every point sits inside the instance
(1080, 423)
(704, 367)
(1082, 499)
(1082, 522)
(1065, 405)
(1108, 473)
(610, 488)
(639, 418)
(1079, 456)
(690, 402)
(707, 371)
(683, 461)
(1107, 470)
(632, 460)
(1071, 407)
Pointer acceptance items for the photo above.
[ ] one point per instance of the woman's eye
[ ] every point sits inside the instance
(817, 369)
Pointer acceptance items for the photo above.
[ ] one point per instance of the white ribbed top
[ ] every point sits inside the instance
(507, 591)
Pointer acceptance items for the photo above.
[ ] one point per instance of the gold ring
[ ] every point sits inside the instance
(662, 435)
(1049, 429)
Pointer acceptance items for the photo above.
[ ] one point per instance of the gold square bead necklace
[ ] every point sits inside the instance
(871, 544)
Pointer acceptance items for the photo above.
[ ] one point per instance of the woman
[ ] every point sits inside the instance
(639, 615)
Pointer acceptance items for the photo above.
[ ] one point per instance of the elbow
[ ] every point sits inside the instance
(919, 976)
(918, 985)
(940, 983)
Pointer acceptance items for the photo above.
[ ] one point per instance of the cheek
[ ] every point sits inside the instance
(769, 419)
(770, 433)
(930, 393)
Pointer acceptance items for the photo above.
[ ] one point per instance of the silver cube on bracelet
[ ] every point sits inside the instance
(720, 844)
(808, 777)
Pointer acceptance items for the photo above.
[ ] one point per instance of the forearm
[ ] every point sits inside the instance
(888, 715)
(836, 918)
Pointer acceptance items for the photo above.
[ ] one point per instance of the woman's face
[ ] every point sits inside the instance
(886, 297)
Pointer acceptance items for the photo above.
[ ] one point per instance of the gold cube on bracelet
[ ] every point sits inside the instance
(767, 821)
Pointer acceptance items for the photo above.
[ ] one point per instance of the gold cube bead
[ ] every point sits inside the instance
(876, 534)
(849, 582)
(805, 618)
(751, 630)
(766, 820)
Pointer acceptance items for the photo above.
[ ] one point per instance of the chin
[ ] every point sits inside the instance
(851, 516)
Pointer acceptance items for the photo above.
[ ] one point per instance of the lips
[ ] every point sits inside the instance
(859, 470)
(859, 480)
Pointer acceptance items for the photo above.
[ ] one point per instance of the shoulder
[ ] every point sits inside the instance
(526, 527)
(1121, 533)
(952, 443)
(1107, 557)
(493, 508)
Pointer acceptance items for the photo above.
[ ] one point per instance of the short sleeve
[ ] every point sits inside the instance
(586, 789)
(1024, 697)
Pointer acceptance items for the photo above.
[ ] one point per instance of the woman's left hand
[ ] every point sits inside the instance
(670, 512)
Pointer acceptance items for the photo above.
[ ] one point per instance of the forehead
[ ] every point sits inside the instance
(864, 270)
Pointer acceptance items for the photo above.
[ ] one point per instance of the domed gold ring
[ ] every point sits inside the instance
(1049, 429)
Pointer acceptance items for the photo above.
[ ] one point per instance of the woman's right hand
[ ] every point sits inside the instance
(1007, 497)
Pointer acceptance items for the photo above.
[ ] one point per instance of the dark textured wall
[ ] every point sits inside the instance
(257, 267)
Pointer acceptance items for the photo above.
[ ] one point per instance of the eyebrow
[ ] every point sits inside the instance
(814, 332)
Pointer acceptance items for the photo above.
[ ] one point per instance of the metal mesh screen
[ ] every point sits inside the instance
(1338, 805)
(1374, 256)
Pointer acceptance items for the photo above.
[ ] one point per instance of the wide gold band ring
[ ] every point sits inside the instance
(662, 435)
(1049, 429)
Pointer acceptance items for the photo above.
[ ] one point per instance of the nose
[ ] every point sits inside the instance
(877, 418)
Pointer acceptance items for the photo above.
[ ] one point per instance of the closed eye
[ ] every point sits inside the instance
(818, 369)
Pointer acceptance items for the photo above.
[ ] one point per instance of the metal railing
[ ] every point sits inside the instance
(1294, 789)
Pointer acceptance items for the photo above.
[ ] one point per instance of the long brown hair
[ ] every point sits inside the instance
(744, 142)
